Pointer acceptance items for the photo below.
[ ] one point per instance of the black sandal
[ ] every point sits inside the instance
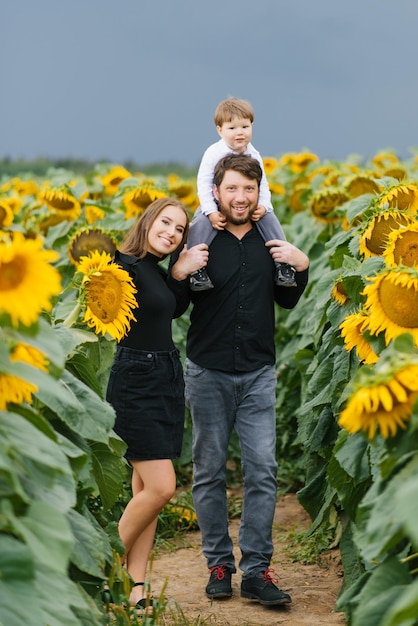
(143, 603)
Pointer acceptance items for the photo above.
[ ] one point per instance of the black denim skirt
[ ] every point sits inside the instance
(146, 389)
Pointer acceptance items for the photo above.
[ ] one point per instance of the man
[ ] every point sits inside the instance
(231, 381)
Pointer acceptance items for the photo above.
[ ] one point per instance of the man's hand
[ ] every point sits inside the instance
(217, 220)
(190, 260)
(258, 213)
(285, 252)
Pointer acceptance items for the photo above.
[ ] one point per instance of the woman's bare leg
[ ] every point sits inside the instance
(153, 484)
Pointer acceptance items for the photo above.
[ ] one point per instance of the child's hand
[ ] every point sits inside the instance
(217, 220)
(258, 213)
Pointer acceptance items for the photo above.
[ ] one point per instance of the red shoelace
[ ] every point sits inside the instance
(270, 576)
(219, 571)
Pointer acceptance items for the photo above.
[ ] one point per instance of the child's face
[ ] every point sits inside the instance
(237, 133)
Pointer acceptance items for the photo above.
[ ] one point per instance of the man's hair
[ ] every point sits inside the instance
(242, 163)
(233, 107)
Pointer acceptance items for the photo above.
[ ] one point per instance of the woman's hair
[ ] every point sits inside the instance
(242, 163)
(136, 241)
(233, 107)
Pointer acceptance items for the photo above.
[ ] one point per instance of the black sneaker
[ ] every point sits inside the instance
(219, 585)
(285, 275)
(200, 281)
(261, 587)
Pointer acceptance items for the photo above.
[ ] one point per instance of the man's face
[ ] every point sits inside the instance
(237, 197)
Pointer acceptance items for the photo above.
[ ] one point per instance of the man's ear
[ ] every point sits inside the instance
(215, 192)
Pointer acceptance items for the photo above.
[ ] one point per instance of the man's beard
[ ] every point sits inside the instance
(236, 221)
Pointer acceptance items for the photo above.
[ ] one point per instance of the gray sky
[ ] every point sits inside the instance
(140, 79)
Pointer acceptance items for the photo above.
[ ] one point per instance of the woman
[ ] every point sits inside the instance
(146, 385)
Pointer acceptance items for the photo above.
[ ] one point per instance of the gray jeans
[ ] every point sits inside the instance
(220, 401)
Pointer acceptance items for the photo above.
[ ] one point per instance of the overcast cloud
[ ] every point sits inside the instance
(140, 80)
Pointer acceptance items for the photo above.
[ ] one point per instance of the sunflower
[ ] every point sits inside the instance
(14, 389)
(298, 196)
(323, 204)
(109, 295)
(352, 330)
(392, 302)
(184, 191)
(297, 162)
(321, 170)
(26, 353)
(61, 202)
(339, 293)
(402, 247)
(359, 184)
(27, 280)
(396, 172)
(24, 187)
(383, 399)
(401, 196)
(270, 165)
(88, 240)
(374, 239)
(276, 188)
(384, 159)
(93, 213)
(112, 179)
(6, 214)
(15, 203)
(136, 200)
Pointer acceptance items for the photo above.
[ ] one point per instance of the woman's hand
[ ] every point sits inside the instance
(190, 260)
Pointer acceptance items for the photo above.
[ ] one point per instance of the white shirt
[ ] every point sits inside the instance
(206, 171)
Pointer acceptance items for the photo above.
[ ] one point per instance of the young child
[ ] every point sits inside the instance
(234, 122)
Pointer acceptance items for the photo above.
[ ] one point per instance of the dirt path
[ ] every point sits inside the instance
(314, 589)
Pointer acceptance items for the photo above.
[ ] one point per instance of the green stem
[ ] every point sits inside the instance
(411, 557)
(73, 316)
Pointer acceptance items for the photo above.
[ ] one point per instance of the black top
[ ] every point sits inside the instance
(232, 325)
(157, 304)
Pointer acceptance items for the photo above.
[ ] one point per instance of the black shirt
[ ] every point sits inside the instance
(232, 325)
(157, 304)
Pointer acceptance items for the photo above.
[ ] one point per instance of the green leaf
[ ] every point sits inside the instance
(404, 609)
(82, 368)
(39, 463)
(77, 405)
(47, 534)
(88, 552)
(406, 502)
(380, 524)
(380, 593)
(358, 206)
(61, 600)
(19, 602)
(351, 453)
(108, 471)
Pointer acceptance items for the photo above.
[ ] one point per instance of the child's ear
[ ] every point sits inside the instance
(219, 129)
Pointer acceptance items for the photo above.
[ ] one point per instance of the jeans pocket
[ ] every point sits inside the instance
(192, 369)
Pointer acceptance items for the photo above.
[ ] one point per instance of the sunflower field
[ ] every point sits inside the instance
(347, 379)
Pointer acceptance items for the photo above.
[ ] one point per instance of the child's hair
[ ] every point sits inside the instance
(233, 107)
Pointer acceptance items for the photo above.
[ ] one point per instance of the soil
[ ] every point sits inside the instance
(314, 588)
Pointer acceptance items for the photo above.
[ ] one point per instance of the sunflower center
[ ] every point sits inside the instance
(104, 296)
(381, 230)
(12, 274)
(62, 204)
(400, 303)
(406, 249)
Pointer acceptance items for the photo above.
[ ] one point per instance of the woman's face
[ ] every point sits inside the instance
(166, 231)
